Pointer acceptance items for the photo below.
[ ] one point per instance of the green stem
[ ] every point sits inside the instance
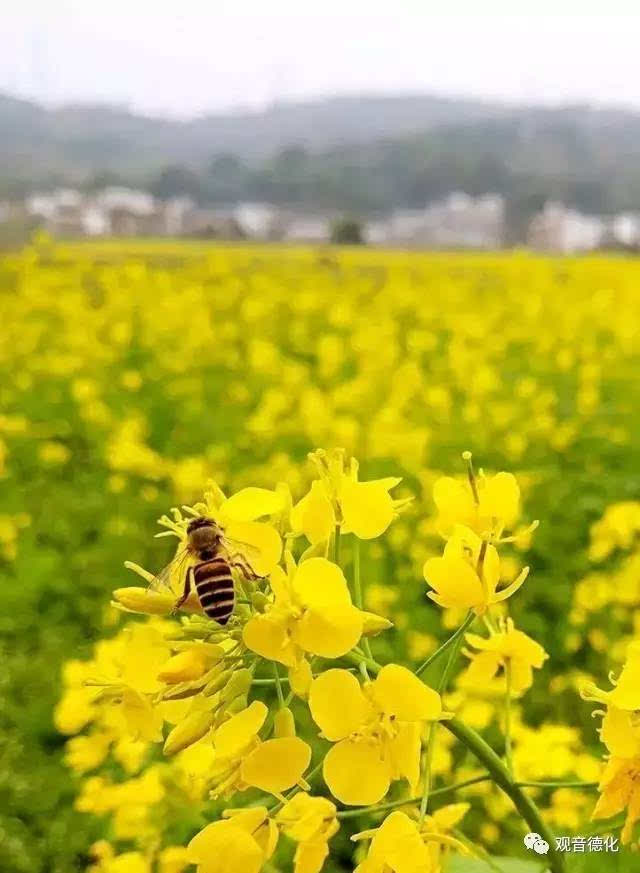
(576, 784)
(442, 687)
(357, 590)
(507, 718)
(443, 648)
(336, 545)
(501, 776)
(428, 759)
(278, 685)
(394, 804)
(471, 475)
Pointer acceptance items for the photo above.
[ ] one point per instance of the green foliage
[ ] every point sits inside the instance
(347, 231)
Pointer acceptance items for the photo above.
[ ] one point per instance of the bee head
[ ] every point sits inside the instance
(203, 533)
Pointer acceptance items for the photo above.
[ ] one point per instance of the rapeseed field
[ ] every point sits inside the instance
(429, 467)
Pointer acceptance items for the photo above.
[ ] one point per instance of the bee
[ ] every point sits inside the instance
(206, 564)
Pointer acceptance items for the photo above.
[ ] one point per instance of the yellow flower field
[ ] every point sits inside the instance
(412, 451)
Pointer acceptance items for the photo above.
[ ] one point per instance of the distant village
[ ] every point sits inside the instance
(457, 222)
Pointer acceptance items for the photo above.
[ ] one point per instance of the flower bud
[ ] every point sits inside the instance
(144, 600)
(259, 601)
(237, 705)
(217, 681)
(283, 723)
(183, 667)
(300, 678)
(373, 624)
(188, 732)
(238, 684)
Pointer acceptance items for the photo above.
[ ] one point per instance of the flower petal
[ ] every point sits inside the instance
(329, 631)
(276, 764)
(318, 582)
(313, 515)
(337, 704)
(356, 773)
(454, 581)
(250, 504)
(225, 848)
(265, 545)
(367, 508)
(234, 735)
(404, 753)
(267, 636)
(399, 693)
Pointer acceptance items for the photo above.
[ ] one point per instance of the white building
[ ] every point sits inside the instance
(257, 220)
(307, 228)
(458, 221)
(560, 229)
(624, 229)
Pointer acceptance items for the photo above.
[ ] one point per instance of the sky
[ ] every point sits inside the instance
(197, 56)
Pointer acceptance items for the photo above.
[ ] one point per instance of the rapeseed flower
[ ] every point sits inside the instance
(376, 730)
(340, 499)
(311, 822)
(486, 504)
(310, 613)
(468, 573)
(402, 845)
(240, 843)
(504, 646)
(243, 760)
(620, 732)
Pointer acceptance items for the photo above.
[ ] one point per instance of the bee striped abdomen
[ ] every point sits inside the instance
(214, 586)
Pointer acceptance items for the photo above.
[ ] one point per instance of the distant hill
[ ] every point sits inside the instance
(360, 152)
(81, 137)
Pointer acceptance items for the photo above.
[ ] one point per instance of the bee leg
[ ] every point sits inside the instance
(239, 563)
(186, 592)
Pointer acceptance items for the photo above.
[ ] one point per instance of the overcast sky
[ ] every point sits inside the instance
(193, 56)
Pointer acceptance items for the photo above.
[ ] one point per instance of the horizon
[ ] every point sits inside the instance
(240, 110)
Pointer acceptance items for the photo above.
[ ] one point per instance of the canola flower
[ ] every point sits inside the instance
(199, 712)
(620, 732)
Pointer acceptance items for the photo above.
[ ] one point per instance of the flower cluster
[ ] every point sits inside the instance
(620, 732)
(239, 732)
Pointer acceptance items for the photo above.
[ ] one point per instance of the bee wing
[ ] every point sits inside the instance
(240, 547)
(162, 582)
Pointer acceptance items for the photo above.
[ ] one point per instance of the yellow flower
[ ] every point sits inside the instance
(190, 664)
(401, 845)
(129, 862)
(314, 515)
(311, 822)
(376, 730)
(338, 497)
(497, 506)
(173, 859)
(620, 789)
(240, 843)
(620, 730)
(311, 612)
(85, 753)
(468, 573)
(243, 760)
(507, 645)
(626, 694)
